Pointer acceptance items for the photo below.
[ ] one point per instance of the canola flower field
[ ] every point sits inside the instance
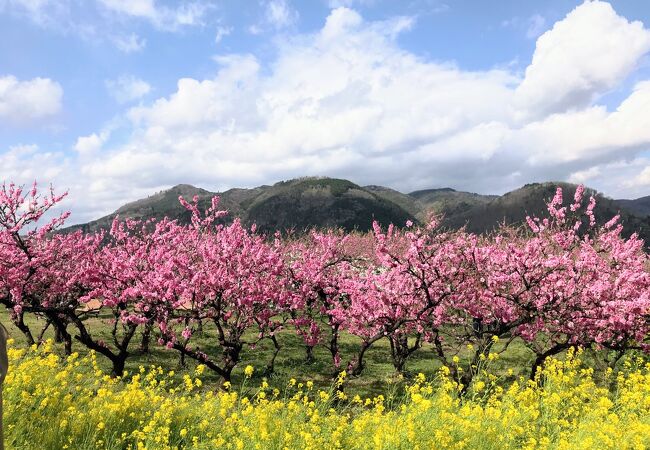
(57, 403)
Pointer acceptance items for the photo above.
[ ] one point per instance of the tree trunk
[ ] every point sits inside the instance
(270, 367)
(19, 321)
(400, 350)
(61, 335)
(119, 361)
(309, 354)
(118, 358)
(58, 336)
(42, 333)
(231, 352)
(334, 346)
(4, 367)
(66, 338)
(541, 357)
(356, 366)
(146, 338)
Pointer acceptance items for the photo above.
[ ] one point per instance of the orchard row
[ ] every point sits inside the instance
(557, 282)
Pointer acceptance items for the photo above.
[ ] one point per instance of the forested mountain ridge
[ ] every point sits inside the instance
(322, 202)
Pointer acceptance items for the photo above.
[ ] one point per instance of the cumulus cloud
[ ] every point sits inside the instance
(25, 101)
(581, 57)
(590, 134)
(625, 178)
(643, 178)
(348, 101)
(26, 162)
(86, 145)
(127, 88)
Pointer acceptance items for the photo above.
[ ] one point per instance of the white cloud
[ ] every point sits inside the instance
(590, 133)
(29, 100)
(127, 88)
(536, 25)
(348, 3)
(345, 101)
(137, 8)
(532, 27)
(103, 21)
(642, 179)
(625, 178)
(222, 32)
(583, 56)
(92, 143)
(161, 16)
(585, 176)
(348, 101)
(190, 14)
(42, 12)
(280, 14)
(130, 43)
(277, 14)
(26, 162)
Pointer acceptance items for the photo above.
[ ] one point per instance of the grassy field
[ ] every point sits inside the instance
(290, 363)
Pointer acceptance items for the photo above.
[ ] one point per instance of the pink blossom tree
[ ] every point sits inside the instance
(231, 280)
(33, 267)
(121, 276)
(420, 273)
(560, 283)
(318, 266)
(68, 278)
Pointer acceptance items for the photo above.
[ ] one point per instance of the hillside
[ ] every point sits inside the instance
(322, 202)
(449, 202)
(408, 203)
(288, 205)
(156, 206)
(308, 202)
(514, 206)
(640, 206)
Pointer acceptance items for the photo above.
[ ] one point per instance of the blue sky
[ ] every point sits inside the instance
(116, 99)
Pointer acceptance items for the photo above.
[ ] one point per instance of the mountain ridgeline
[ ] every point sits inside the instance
(318, 202)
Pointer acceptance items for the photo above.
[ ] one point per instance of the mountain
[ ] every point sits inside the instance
(156, 206)
(408, 203)
(531, 199)
(296, 204)
(449, 202)
(323, 202)
(640, 206)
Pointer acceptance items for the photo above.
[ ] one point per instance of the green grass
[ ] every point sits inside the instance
(290, 363)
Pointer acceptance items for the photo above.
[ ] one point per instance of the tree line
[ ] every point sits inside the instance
(554, 282)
